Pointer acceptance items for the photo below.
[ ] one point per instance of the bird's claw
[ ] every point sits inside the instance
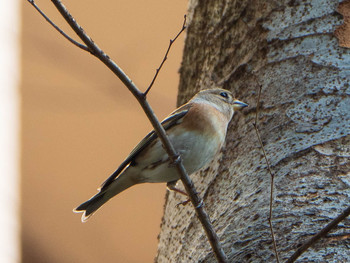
(187, 201)
(183, 203)
(176, 161)
(201, 203)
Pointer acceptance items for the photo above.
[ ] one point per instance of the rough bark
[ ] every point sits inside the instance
(290, 49)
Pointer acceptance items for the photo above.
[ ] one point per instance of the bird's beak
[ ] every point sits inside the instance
(237, 105)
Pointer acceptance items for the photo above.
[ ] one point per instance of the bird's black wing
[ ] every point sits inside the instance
(169, 122)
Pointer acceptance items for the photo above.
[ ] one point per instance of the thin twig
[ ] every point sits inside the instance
(270, 171)
(319, 235)
(166, 56)
(195, 199)
(79, 45)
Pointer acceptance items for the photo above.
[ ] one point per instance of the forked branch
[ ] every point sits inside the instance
(187, 182)
(79, 45)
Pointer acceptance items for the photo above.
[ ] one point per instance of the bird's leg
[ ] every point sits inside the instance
(172, 187)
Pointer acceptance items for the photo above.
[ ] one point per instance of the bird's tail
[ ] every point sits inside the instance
(89, 207)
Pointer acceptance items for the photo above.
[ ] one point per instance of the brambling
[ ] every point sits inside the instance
(197, 130)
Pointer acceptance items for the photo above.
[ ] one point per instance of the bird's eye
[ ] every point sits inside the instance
(224, 94)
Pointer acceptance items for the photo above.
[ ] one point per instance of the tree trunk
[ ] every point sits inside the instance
(290, 49)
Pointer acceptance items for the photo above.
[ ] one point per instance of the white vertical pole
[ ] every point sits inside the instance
(9, 131)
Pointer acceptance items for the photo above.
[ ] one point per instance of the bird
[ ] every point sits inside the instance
(197, 131)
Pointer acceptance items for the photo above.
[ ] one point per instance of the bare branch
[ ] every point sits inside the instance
(270, 171)
(166, 56)
(187, 182)
(319, 235)
(79, 45)
(97, 52)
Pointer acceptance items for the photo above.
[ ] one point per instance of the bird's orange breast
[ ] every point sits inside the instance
(205, 119)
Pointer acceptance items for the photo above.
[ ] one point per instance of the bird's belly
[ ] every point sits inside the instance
(196, 151)
(199, 152)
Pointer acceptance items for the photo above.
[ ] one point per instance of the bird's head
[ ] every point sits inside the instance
(221, 99)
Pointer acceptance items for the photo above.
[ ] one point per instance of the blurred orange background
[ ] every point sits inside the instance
(79, 122)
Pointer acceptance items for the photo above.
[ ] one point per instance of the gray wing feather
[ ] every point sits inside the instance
(167, 124)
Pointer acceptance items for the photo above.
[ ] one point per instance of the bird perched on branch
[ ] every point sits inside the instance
(197, 131)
